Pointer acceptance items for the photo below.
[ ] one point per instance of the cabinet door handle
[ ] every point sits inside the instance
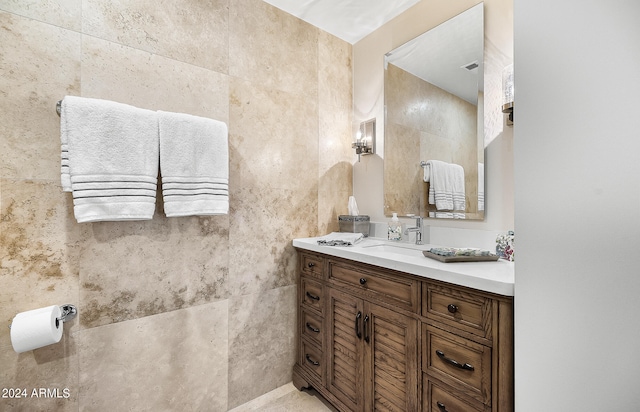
(452, 308)
(441, 406)
(312, 329)
(366, 329)
(312, 296)
(311, 264)
(464, 366)
(363, 281)
(311, 361)
(358, 332)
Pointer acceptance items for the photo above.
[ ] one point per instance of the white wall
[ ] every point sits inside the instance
(368, 94)
(577, 205)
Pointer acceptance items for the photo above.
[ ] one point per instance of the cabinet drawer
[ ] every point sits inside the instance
(459, 362)
(312, 327)
(394, 290)
(311, 294)
(311, 265)
(440, 398)
(458, 307)
(311, 359)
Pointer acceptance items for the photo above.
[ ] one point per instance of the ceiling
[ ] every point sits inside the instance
(349, 20)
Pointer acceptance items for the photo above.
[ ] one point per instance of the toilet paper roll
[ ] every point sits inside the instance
(36, 328)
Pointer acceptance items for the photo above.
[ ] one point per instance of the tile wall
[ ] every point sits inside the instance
(193, 313)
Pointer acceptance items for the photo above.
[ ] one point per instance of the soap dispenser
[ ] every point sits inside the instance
(395, 229)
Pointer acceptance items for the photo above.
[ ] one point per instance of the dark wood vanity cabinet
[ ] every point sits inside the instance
(373, 339)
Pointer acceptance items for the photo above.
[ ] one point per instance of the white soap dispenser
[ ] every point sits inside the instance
(395, 228)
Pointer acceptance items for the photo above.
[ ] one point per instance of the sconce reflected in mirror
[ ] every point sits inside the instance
(365, 143)
(508, 93)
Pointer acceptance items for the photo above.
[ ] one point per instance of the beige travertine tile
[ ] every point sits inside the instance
(132, 279)
(270, 47)
(261, 343)
(168, 362)
(273, 138)
(30, 127)
(40, 251)
(131, 270)
(334, 147)
(263, 223)
(62, 13)
(177, 30)
(335, 70)
(53, 368)
(335, 169)
(402, 173)
(127, 75)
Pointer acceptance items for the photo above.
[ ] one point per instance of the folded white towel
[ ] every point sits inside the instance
(340, 239)
(110, 155)
(456, 175)
(194, 165)
(440, 192)
(446, 189)
(65, 176)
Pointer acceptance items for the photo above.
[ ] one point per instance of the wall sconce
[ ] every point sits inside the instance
(365, 143)
(507, 93)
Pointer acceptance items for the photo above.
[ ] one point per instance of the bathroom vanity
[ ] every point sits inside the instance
(381, 327)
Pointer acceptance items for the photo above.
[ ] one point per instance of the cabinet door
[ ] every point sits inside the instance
(391, 356)
(345, 333)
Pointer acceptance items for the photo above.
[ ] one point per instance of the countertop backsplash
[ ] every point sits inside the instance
(442, 236)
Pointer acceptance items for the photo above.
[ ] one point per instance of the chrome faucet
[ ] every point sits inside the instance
(417, 228)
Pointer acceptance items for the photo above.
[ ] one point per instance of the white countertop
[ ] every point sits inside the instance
(495, 277)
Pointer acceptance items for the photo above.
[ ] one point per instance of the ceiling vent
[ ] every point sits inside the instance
(470, 66)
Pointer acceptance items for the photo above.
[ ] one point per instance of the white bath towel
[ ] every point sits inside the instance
(456, 174)
(194, 165)
(110, 154)
(446, 189)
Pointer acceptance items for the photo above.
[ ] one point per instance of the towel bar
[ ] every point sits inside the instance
(59, 107)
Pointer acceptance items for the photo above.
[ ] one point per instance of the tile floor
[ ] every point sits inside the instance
(287, 399)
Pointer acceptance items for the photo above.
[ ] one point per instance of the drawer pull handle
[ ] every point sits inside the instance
(312, 296)
(363, 281)
(452, 308)
(311, 264)
(312, 329)
(311, 361)
(358, 332)
(464, 366)
(441, 406)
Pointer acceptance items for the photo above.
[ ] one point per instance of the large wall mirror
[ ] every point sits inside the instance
(433, 88)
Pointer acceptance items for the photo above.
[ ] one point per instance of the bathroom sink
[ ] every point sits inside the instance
(401, 250)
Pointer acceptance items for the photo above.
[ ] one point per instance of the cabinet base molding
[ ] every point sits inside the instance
(302, 381)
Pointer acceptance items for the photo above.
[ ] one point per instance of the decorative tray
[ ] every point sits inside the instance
(450, 259)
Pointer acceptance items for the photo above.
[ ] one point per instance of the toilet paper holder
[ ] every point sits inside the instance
(68, 312)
